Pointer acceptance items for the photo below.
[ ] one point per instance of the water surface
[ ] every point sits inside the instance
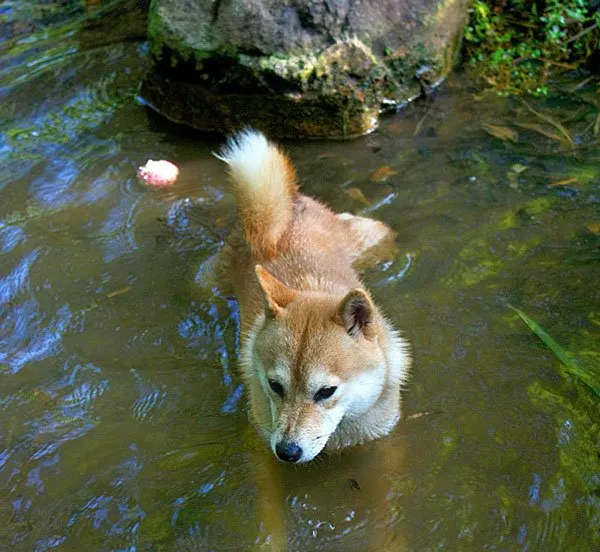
(123, 424)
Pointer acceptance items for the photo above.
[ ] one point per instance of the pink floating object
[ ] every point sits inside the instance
(158, 173)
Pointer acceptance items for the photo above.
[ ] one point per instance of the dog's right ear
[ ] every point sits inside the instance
(277, 295)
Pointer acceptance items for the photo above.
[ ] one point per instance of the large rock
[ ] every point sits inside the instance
(299, 68)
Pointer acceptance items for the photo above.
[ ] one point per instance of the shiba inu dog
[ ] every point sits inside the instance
(322, 366)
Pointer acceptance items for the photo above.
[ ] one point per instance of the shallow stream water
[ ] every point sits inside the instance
(123, 423)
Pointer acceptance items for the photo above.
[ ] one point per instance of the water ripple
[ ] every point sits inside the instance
(53, 186)
(16, 168)
(48, 543)
(10, 237)
(118, 230)
(152, 397)
(55, 426)
(4, 456)
(192, 227)
(18, 278)
(29, 340)
(76, 404)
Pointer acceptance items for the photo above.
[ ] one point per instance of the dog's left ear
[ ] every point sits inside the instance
(355, 313)
(277, 295)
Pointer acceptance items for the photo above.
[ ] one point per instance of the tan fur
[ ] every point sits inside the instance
(307, 321)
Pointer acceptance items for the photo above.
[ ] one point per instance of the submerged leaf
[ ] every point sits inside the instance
(357, 195)
(544, 132)
(593, 227)
(566, 358)
(565, 182)
(118, 292)
(501, 132)
(382, 174)
(550, 121)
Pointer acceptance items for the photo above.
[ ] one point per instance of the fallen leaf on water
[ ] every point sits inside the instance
(564, 182)
(357, 195)
(593, 227)
(118, 292)
(501, 132)
(382, 173)
(544, 132)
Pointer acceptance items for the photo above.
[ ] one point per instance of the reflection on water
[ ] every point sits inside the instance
(122, 420)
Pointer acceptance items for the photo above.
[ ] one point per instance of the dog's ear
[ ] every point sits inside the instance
(277, 295)
(355, 313)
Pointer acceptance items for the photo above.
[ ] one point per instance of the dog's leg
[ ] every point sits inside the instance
(269, 501)
(371, 241)
(214, 273)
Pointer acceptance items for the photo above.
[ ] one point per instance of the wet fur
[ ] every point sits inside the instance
(306, 318)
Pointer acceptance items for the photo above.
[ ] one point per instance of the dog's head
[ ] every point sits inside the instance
(318, 359)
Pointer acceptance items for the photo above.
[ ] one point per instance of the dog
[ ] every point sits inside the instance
(322, 366)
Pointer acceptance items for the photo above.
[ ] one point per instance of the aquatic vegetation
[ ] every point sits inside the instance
(586, 374)
(516, 45)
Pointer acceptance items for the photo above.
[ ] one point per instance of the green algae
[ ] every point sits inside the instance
(484, 257)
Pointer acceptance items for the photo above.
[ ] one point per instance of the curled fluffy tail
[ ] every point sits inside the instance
(264, 183)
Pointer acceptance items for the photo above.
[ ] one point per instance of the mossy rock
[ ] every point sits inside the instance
(299, 69)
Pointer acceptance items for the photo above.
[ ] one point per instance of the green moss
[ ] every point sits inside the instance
(291, 67)
(508, 220)
(537, 206)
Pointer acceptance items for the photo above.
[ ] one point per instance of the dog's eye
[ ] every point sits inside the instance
(276, 387)
(324, 393)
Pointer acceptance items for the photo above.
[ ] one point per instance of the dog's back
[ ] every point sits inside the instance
(296, 238)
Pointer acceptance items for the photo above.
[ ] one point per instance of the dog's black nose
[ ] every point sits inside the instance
(289, 452)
